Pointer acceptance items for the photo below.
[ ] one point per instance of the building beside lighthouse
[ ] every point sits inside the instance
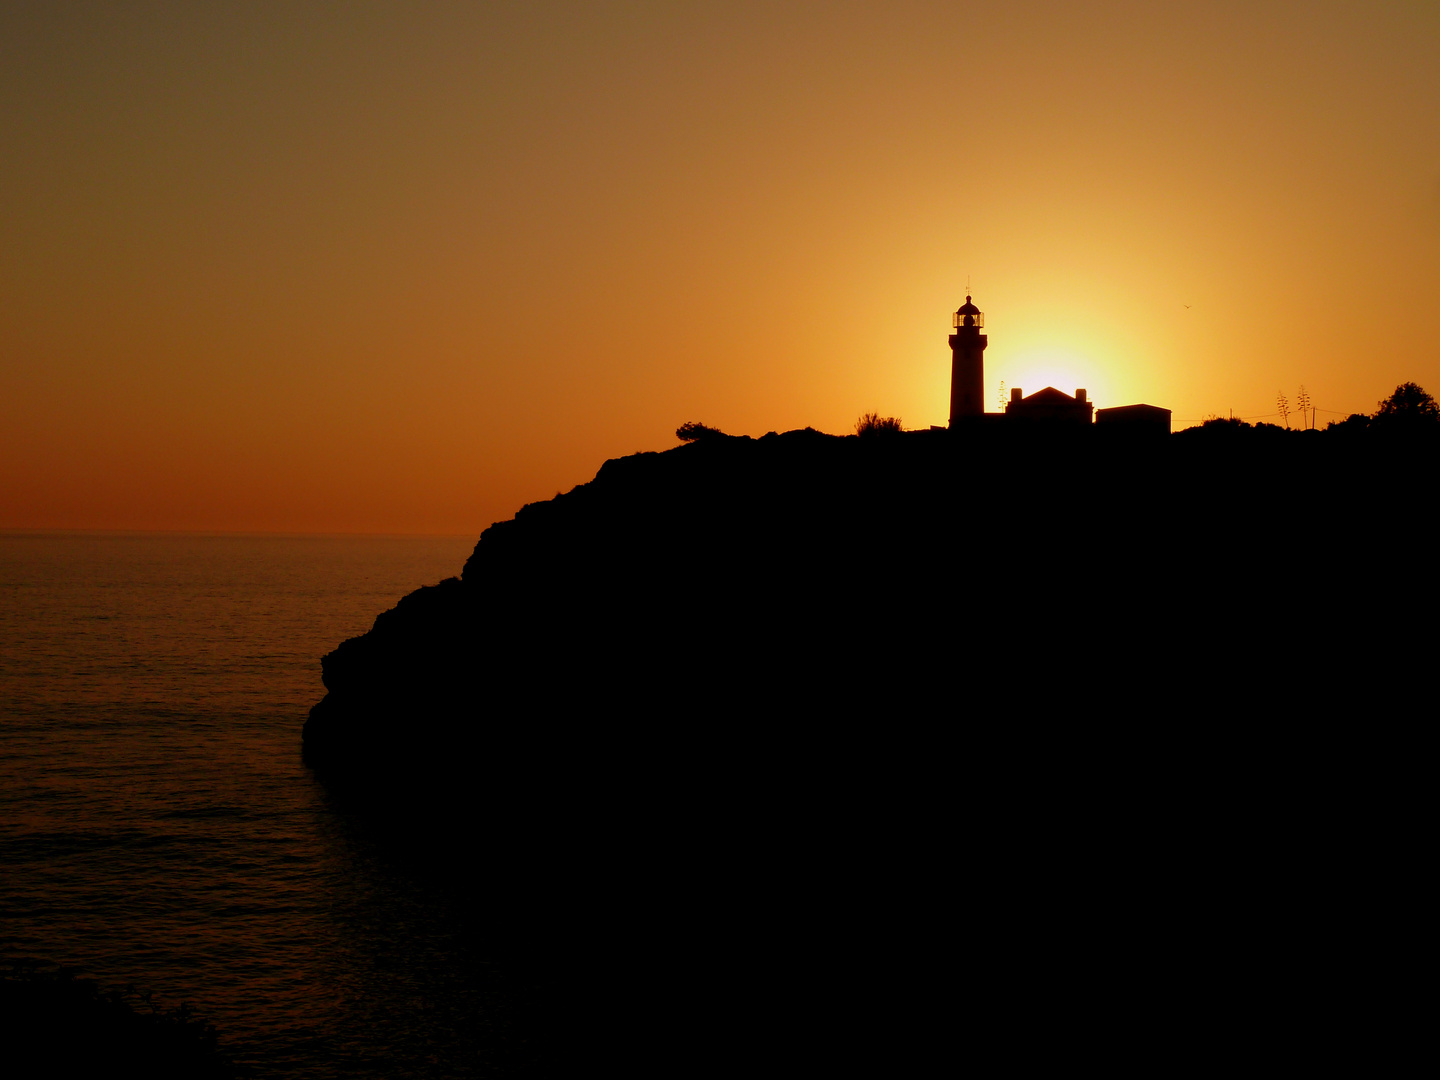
(1049, 406)
(1050, 409)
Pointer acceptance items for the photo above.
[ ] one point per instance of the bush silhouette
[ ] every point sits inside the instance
(874, 424)
(1351, 424)
(1215, 422)
(690, 431)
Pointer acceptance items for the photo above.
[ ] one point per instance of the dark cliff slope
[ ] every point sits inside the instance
(801, 749)
(729, 578)
(928, 577)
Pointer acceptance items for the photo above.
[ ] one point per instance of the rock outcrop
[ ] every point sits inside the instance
(798, 748)
(927, 577)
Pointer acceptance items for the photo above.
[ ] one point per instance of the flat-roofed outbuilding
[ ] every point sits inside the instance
(1143, 420)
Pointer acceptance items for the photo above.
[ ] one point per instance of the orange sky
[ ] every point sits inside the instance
(404, 267)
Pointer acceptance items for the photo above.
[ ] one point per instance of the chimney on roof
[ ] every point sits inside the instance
(1079, 395)
(1016, 394)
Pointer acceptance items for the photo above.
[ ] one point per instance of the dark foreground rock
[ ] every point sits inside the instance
(53, 1023)
(810, 745)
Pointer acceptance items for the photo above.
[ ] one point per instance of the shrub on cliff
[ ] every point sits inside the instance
(1355, 422)
(871, 424)
(1214, 422)
(690, 431)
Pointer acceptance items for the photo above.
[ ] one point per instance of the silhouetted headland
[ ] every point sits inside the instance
(779, 704)
(916, 571)
(700, 595)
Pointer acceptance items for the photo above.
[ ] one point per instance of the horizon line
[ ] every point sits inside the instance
(44, 531)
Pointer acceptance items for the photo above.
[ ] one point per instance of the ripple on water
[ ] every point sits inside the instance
(157, 826)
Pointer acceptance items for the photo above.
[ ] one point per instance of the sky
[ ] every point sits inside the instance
(404, 267)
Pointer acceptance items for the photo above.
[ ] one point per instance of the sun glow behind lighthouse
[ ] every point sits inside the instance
(1065, 370)
(380, 268)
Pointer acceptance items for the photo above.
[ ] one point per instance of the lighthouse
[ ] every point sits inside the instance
(967, 366)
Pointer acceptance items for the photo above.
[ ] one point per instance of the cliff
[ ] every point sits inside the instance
(927, 576)
(778, 742)
(724, 579)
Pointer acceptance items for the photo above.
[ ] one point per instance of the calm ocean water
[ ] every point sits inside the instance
(157, 825)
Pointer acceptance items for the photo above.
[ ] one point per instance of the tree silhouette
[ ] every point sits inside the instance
(1302, 402)
(690, 431)
(1282, 406)
(1409, 404)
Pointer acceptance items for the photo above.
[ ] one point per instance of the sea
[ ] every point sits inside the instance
(158, 828)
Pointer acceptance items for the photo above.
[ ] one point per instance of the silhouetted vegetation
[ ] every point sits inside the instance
(1355, 422)
(1224, 423)
(874, 424)
(690, 431)
(1409, 412)
(1409, 406)
(53, 1023)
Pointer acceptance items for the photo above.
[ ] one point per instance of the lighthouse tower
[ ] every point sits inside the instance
(967, 368)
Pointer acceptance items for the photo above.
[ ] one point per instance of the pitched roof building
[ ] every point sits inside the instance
(1049, 406)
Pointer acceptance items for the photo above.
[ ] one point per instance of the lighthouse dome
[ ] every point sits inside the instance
(969, 315)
